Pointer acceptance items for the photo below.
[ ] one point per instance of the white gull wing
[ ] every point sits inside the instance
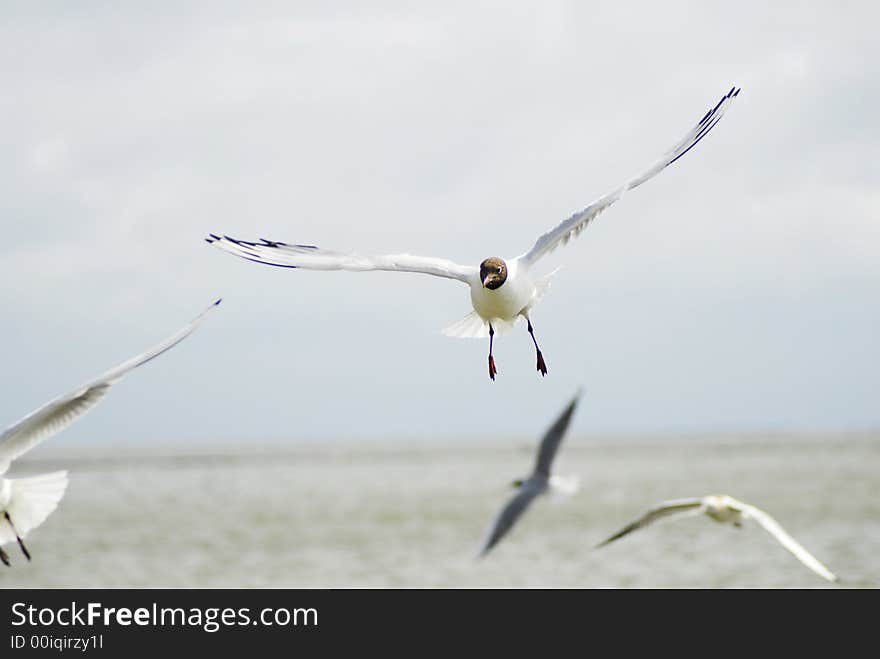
(571, 227)
(792, 545)
(309, 257)
(664, 509)
(56, 415)
(552, 438)
(511, 512)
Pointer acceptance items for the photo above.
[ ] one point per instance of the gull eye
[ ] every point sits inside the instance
(499, 270)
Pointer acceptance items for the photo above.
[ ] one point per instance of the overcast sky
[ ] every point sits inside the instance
(737, 291)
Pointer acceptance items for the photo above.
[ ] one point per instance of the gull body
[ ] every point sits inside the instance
(506, 302)
(25, 503)
(540, 481)
(503, 290)
(725, 510)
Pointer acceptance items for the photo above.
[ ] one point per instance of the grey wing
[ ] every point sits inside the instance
(773, 527)
(58, 414)
(505, 519)
(664, 509)
(567, 229)
(553, 437)
(309, 257)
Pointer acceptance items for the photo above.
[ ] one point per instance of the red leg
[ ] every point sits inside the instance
(492, 370)
(542, 367)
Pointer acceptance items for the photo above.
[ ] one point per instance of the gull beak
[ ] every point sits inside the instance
(486, 281)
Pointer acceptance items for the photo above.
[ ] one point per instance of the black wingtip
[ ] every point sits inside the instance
(734, 91)
(219, 300)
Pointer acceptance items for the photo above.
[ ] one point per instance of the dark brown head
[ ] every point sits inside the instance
(493, 272)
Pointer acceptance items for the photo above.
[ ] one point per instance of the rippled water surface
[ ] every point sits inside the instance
(413, 515)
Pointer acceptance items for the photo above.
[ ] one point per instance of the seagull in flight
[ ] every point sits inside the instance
(502, 290)
(541, 481)
(726, 510)
(25, 503)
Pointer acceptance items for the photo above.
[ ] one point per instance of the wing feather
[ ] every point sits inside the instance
(571, 227)
(552, 438)
(508, 515)
(664, 509)
(58, 414)
(309, 257)
(773, 528)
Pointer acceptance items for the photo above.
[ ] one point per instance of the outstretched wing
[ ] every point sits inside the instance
(553, 437)
(56, 415)
(571, 227)
(792, 545)
(664, 509)
(505, 519)
(310, 257)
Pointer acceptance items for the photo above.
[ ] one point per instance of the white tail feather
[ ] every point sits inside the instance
(562, 487)
(469, 327)
(473, 326)
(31, 501)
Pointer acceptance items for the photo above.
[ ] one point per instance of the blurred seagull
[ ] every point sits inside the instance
(539, 482)
(26, 502)
(726, 510)
(502, 290)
